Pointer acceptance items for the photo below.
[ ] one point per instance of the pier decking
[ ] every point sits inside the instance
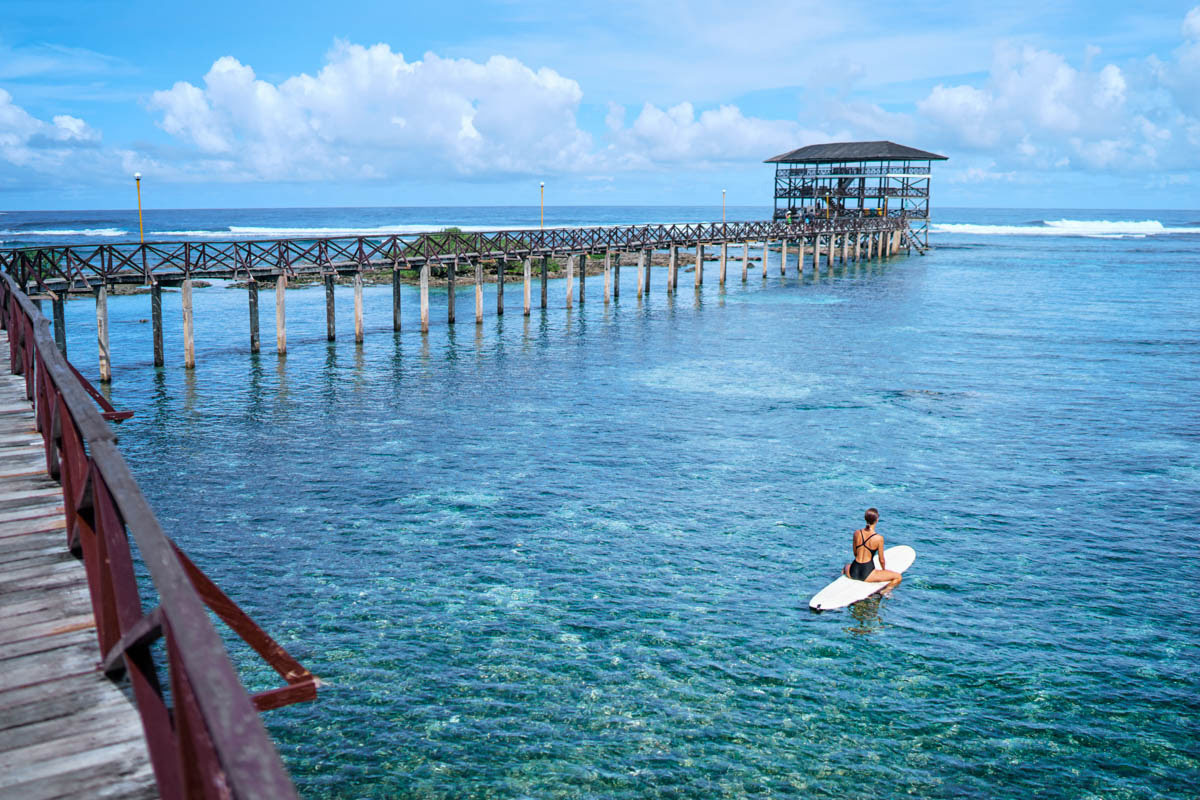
(66, 730)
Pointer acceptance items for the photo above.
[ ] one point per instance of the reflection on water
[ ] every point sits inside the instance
(866, 616)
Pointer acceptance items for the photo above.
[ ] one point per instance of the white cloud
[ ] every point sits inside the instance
(26, 141)
(369, 113)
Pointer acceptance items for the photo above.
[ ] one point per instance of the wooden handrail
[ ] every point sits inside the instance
(212, 743)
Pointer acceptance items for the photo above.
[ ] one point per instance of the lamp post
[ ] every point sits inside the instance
(542, 205)
(722, 206)
(137, 178)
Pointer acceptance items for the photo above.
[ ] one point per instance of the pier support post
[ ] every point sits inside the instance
(252, 287)
(155, 322)
(845, 244)
(451, 277)
(607, 275)
(102, 333)
(649, 254)
(672, 268)
(527, 277)
(641, 265)
(478, 292)
(699, 266)
(583, 265)
(358, 308)
(879, 246)
(783, 259)
(765, 250)
(724, 256)
(829, 251)
(545, 280)
(425, 297)
(745, 260)
(617, 277)
(501, 265)
(60, 322)
(570, 278)
(800, 260)
(330, 317)
(395, 297)
(816, 255)
(189, 337)
(281, 314)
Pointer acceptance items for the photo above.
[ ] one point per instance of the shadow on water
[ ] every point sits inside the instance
(866, 616)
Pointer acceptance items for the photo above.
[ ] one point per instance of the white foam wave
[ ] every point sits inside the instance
(1107, 229)
(66, 232)
(382, 230)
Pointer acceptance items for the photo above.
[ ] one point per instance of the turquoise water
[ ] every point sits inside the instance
(570, 556)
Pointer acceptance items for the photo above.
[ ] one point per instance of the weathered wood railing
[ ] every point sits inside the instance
(204, 736)
(83, 265)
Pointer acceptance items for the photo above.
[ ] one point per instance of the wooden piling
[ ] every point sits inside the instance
(478, 292)
(330, 317)
(699, 266)
(641, 265)
(358, 308)
(857, 247)
(649, 253)
(395, 296)
(102, 332)
(501, 266)
(783, 259)
(672, 268)
(155, 323)
(816, 255)
(607, 275)
(545, 280)
(844, 246)
(60, 322)
(617, 277)
(724, 256)
(252, 293)
(281, 314)
(189, 337)
(451, 276)
(425, 297)
(527, 278)
(800, 260)
(766, 248)
(745, 260)
(583, 265)
(829, 252)
(570, 276)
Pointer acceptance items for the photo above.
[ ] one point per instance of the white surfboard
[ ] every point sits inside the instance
(845, 591)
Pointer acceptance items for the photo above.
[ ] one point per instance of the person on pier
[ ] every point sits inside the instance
(865, 544)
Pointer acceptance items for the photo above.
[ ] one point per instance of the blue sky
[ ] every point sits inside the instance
(1070, 104)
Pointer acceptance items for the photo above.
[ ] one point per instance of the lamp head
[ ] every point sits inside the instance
(137, 176)
(542, 184)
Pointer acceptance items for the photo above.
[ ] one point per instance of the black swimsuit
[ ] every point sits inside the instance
(859, 570)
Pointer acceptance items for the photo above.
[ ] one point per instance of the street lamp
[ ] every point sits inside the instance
(542, 205)
(137, 177)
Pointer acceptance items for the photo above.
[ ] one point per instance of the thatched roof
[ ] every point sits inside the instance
(836, 152)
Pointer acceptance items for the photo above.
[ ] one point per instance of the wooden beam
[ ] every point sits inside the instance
(425, 297)
(189, 337)
(155, 322)
(527, 277)
(281, 314)
(358, 307)
(252, 286)
(396, 284)
(330, 317)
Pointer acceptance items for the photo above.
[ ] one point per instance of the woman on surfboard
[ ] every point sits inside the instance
(865, 544)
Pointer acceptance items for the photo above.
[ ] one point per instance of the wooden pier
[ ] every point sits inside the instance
(56, 272)
(66, 730)
(90, 706)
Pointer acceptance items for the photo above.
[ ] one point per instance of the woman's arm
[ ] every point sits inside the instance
(882, 559)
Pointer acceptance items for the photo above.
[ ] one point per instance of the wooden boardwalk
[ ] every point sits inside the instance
(65, 729)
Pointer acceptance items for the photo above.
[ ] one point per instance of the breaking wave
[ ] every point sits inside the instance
(66, 232)
(1101, 229)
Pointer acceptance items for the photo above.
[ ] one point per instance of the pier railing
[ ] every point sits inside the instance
(84, 265)
(203, 731)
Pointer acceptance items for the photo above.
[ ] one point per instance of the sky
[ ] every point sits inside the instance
(280, 104)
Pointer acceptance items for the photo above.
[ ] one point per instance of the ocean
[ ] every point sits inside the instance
(571, 555)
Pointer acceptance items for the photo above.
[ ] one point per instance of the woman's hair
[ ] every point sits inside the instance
(872, 516)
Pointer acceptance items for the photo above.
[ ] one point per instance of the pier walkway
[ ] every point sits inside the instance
(66, 730)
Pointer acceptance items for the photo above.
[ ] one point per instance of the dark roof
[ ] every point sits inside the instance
(854, 151)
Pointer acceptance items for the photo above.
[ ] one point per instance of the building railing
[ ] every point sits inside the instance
(921, 168)
(203, 731)
(87, 265)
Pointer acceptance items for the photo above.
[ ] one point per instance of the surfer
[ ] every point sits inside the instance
(865, 544)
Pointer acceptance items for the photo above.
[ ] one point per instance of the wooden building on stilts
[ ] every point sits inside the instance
(843, 179)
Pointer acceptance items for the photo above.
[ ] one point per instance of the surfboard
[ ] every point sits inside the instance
(845, 591)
